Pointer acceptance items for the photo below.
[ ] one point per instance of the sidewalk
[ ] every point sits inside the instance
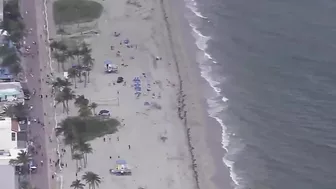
(43, 34)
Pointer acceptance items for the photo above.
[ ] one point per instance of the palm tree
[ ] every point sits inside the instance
(77, 53)
(17, 110)
(61, 58)
(59, 98)
(68, 94)
(81, 101)
(84, 111)
(84, 148)
(22, 160)
(93, 106)
(78, 158)
(73, 75)
(84, 49)
(77, 184)
(58, 45)
(87, 62)
(68, 128)
(61, 83)
(92, 179)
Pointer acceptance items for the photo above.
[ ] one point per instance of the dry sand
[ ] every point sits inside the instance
(155, 163)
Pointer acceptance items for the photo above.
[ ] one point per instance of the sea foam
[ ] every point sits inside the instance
(215, 107)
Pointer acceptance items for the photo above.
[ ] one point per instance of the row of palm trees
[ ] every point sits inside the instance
(71, 128)
(90, 178)
(82, 53)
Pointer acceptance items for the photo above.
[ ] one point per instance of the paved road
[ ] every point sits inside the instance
(36, 71)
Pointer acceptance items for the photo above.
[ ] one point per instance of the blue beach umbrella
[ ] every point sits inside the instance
(121, 162)
(106, 62)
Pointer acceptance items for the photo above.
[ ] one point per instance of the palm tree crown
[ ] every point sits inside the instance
(92, 179)
(77, 184)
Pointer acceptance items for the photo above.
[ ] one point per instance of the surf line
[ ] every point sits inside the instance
(182, 113)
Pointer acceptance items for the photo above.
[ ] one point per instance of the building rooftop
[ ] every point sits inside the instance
(11, 92)
(6, 155)
(8, 178)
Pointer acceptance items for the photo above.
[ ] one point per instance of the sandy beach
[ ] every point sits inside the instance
(163, 142)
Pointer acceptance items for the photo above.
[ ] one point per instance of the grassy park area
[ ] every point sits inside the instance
(76, 11)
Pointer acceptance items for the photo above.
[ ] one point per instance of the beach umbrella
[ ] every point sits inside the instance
(126, 41)
(121, 162)
(106, 62)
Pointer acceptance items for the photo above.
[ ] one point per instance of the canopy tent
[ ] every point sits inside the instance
(122, 168)
(110, 67)
(120, 162)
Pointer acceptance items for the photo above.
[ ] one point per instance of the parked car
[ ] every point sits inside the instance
(104, 113)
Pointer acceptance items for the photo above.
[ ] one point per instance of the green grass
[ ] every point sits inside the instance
(90, 128)
(76, 11)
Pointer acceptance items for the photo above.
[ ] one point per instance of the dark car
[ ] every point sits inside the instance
(26, 92)
(104, 113)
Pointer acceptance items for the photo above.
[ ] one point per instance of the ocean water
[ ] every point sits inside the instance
(272, 67)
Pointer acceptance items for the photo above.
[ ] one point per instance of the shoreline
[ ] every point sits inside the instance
(221, 175)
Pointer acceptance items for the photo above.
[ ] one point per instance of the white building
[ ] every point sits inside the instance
(10, 147)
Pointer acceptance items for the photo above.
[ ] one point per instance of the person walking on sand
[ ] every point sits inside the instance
(129, 147)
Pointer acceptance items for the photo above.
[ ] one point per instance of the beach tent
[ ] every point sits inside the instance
(120, 162)
(110, 67)
(122, 168)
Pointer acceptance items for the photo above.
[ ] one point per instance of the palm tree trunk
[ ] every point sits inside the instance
(67, 107)
(88, 73)
(85, 160)
(85, 79)
(64, 106)
(80, 77)
(58, 66)
(75, 82)
(63, 68)
(78, 60)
